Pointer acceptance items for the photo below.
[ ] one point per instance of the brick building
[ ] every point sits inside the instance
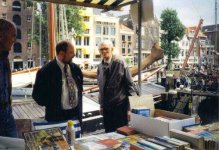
(24, 54)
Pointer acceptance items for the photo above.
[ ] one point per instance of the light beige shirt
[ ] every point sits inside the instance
(65, 94)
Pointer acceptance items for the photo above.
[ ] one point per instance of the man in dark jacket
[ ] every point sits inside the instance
(115, 85)
(7, 39)
(58, 86)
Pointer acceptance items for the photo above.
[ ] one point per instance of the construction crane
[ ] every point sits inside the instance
(191, 47)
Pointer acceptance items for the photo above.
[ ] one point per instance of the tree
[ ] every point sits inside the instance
(173, 31)
(74, 20)
(71, 12)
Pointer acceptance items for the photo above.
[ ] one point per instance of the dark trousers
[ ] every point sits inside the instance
(116, 116)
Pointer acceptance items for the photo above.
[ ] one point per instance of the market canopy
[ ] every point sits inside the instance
(101, 4)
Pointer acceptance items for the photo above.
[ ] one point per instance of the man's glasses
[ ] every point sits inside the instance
(104, 48)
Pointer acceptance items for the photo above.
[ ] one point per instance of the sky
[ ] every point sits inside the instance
(189, 11)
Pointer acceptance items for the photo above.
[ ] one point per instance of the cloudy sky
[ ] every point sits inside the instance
(189, 11)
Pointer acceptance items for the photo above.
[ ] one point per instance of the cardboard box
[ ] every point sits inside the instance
(152, 126)
(155, 127)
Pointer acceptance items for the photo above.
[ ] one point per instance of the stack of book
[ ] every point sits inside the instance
(208, 132)
(144, 111)
(160, 143)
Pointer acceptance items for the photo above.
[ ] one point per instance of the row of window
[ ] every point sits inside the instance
(18, 47)
(78, 41)
(16, 5)
(17, 19)
(124, 39)
(105, 30)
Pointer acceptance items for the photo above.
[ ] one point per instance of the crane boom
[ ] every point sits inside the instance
(191, 46)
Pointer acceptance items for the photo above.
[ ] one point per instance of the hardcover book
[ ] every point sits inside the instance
(125, 130)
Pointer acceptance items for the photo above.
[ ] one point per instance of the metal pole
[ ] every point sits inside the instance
(139, 43)
(40, 39)
(216, 46)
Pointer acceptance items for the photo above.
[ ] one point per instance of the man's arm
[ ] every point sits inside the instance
(156, 54)
(89, 74)
(39, 89)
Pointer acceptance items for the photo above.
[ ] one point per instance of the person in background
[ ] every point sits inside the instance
(7, 39)
(58, 86)
(115, 85)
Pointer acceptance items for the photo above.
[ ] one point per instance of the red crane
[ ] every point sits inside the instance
(191, 46)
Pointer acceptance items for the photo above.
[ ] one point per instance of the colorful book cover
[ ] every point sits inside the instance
(46, 139)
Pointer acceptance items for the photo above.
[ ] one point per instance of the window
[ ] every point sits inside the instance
(17, 48)
(29, 32)
(16, 6)
(78, 40)
(86, 56)
(18, 33)
(123, 37)
(98, 29)
(86, 41)
(4, 3)
(29, 18)
(97, 56)
(182, 53)
(113, 31)
(86, 18)
(29, 4)
(98, 39)
(129, 48)
(129, 38)
(4, 16)
(78, 53)
(17, 20)
(29, 63)
(87, 31)
(29, 44)
(123, 50)
(105, 31)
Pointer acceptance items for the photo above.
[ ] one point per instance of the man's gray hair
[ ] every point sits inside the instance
(6, 25)
(106, 42)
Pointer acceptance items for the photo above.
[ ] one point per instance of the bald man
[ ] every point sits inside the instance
(7, 39)
(58, 86)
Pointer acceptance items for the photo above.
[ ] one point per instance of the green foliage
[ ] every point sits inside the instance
(173, 31)
(44, 29)
(74, 20)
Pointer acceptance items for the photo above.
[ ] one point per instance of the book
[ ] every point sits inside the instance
(138, 146)
(110, 143)
(143, 111)
(162, 143)
(125, 130)
(46, 139)
(111, 135)
(195, 127)
(152, 145)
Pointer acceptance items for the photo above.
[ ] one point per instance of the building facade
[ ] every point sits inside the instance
(211, 31)
(98, 27)
(24, 54)
(201, 54)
